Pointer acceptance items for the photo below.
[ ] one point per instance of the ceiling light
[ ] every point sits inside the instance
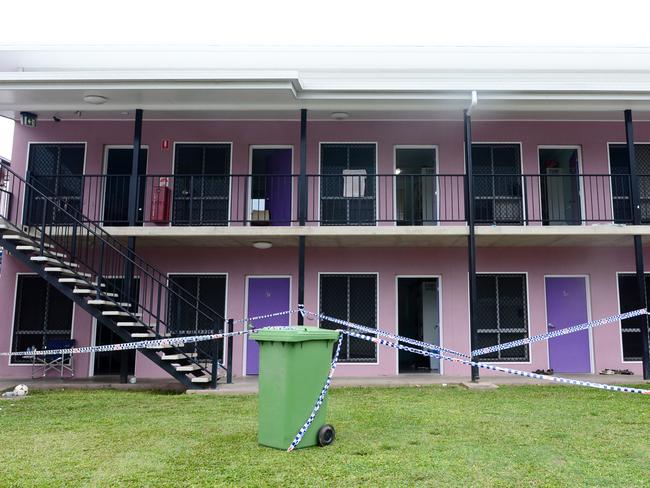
(95, 99)
(262, 245)
(339, 115)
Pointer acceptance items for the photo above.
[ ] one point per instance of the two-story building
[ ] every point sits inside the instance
(385, 187)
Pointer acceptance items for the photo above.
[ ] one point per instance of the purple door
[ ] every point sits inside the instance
(278, 196)
(566, 305)
(265, 296)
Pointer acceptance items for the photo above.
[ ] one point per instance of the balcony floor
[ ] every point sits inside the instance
(385, 235)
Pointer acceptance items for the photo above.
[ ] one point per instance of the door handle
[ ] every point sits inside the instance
(551, 326)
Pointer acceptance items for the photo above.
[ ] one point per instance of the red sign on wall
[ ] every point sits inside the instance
(165, 143)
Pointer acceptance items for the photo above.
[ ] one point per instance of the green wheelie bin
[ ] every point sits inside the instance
(294, 363)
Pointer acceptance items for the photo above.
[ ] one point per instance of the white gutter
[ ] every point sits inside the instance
(473, 103)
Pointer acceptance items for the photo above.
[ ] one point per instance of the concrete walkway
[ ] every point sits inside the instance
(248, 385)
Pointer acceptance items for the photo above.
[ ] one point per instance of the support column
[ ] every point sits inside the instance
(638, 242)
(302, 210)
(471, 237)
(133, 216)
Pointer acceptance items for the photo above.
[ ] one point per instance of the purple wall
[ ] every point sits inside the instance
(600, 264)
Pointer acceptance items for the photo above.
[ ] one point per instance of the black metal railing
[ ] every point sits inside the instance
(553, 199)
(344, 199)
(105, 261)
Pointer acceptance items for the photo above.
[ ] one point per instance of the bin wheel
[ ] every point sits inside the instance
(326, 435)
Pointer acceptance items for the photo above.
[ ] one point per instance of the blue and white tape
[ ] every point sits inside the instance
(303, 430)
(165, 342)
(380, 332)
(560, 332)
(493, 367)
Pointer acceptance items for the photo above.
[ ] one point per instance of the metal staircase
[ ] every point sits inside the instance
(81, 260)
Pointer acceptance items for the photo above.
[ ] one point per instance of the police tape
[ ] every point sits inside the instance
(321, 398)
(164, 342)
(262, 317)
(561, 332)
(371, 330)
(467, 362)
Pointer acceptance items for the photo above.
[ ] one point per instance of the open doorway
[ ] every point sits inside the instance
(560, 185)
(270, 201)
(416, 185)
(418, 315)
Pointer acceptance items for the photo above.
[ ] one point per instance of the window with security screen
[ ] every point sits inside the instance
(621, 182)
(42, 313)
(501, 315)
(193, 301)
(631, 328)
(351, 297)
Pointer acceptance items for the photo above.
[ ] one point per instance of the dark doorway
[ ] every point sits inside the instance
(270, 202)
(418, 318)
(109, 363)
(118, 183)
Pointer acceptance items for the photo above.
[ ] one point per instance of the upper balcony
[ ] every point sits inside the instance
(348, 203)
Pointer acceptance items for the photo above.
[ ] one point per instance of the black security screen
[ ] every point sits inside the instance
(621, 183)
(347, 184)
(191, 293)
(55, 170)
(501, 315)
(631, 328)
(352, 298)
(497, 183)
(201, 184)
(42, 313)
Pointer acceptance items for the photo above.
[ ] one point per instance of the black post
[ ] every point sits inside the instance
(471, 237)
(216, 325)
(133, 215)
(230, 328)
(302, 210)
(638, 242)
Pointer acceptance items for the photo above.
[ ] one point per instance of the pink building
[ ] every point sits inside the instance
(462, 197)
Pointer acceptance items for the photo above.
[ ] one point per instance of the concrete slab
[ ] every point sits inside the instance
(479, 385)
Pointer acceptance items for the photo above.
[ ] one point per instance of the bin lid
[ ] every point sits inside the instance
(295, 334)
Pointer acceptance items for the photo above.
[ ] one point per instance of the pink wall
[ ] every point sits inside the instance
(600, 264)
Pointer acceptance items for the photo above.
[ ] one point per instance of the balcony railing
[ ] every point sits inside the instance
(346, 199)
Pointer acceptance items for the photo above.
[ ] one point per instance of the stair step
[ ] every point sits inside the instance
(30, 248)
(24, 238)
(119, 313)
(161, 348)
(142, 335)
(45, 259)
(77, 281)
(91, 291)
(68, 271)
(188, 368)
(178, 357)
(206, 378)
(130, 324)
(107, 303)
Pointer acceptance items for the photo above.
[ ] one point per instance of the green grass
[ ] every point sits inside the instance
(512, 436)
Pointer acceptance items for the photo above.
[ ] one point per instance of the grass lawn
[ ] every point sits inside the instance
(512, 436)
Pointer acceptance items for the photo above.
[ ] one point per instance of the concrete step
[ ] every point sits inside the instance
(178, 357)
(77, 281)
(24, 238)
(91, 291)
(206, 378)
(49, 253)
(188, 368)
(130, 324)
(143, 335)
(107, 303)
(56, 262)
(66, 271)
(119, 313)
